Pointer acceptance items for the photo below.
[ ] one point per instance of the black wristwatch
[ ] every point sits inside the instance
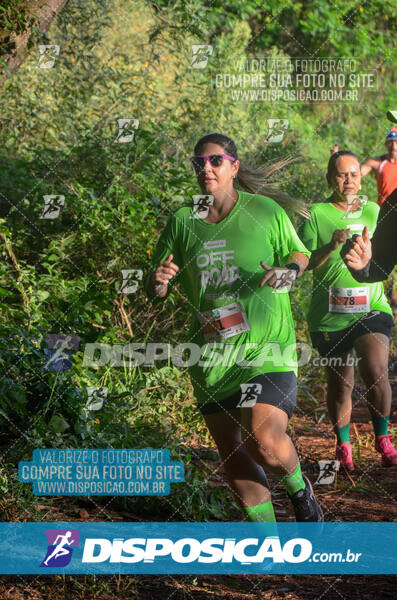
(294, 267)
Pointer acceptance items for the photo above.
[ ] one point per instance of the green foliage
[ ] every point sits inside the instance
(15, 18)
(17, 502)
(308, 28)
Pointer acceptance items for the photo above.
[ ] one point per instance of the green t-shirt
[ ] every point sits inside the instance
(333, 273)
(219, 266)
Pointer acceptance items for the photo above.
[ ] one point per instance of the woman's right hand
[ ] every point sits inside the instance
(339, 237)
(163, 274)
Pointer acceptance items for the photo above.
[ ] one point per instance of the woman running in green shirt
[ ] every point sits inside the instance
(345, 315)
(226, 252)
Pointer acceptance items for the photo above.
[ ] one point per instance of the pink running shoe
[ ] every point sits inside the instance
(385, 447)
(344, 455)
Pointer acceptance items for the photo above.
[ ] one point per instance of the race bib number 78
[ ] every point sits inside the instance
(349, 300)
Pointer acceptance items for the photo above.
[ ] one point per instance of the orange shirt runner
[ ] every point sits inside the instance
(386, 179)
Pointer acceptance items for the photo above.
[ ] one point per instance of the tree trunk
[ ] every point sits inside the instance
(44, 12)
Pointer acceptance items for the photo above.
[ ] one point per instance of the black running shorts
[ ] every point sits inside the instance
(275, 389)
(335, 343)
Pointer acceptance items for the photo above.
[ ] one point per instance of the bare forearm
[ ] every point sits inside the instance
(369, 166)
(365, 169)
(300, 259)
(320, 256)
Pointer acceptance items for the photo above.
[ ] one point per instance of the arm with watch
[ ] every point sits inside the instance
(280, 277)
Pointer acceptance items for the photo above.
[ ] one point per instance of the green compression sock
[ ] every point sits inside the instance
(380, 425)
(293, 482)
(342, 433)
(261, 512)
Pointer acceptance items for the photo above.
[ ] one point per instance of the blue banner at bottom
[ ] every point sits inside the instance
(198, 548)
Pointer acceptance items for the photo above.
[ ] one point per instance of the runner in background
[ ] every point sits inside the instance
(227, 261)
(343, 315)
(384, 168)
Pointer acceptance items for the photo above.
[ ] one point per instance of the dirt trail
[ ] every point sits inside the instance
(370, 494)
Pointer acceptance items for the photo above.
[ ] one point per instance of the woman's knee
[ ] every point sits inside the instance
(375, 374)
(264, 446)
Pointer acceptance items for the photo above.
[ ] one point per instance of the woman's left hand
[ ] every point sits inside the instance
(272, 279)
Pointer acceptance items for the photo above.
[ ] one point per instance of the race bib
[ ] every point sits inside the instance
(224, 322)
(357, 228)
(349, 300)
